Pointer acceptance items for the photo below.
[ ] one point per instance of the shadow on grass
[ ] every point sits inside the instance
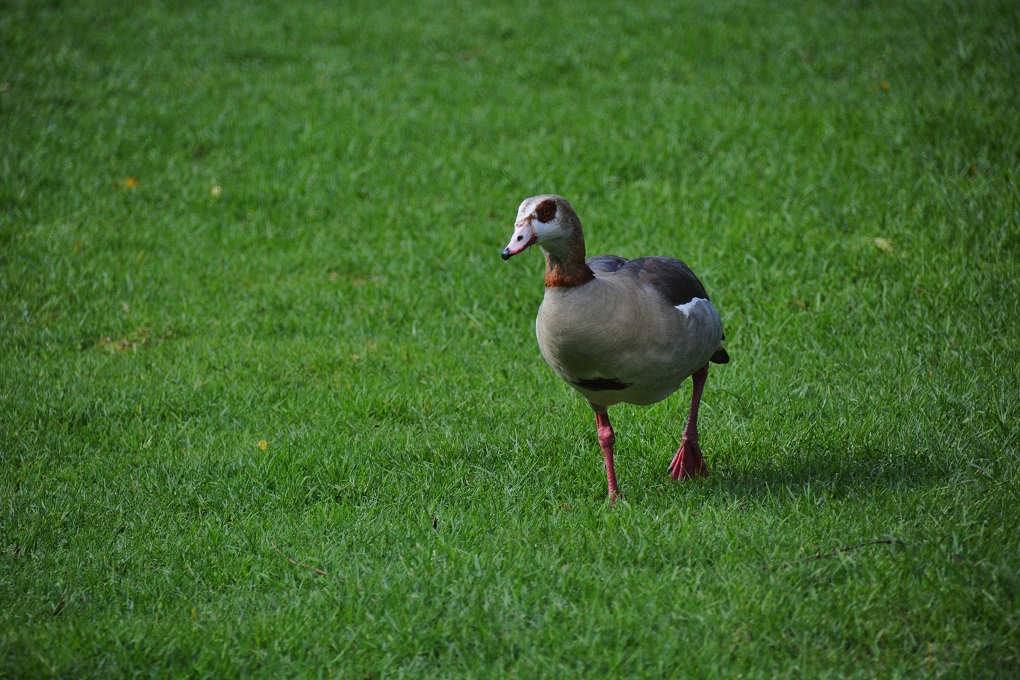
(837, 474)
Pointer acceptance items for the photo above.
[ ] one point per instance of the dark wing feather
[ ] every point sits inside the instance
(672, 278)
(606, 263)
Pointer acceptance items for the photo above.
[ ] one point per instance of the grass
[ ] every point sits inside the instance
(291, 339)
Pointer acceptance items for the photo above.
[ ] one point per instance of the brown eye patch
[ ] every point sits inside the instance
(546, 210)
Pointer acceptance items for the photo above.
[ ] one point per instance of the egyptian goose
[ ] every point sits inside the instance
(619, 330)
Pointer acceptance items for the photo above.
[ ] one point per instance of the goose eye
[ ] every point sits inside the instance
(546, 211)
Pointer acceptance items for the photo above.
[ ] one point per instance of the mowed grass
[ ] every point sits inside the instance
(272, 404)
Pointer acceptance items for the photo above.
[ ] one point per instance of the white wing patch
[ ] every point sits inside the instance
(687, 307)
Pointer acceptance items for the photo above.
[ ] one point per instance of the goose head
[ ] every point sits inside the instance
(549, 221)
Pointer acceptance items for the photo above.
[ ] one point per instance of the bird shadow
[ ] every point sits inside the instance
(864, 470)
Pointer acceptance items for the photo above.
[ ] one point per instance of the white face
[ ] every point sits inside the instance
(538, 221)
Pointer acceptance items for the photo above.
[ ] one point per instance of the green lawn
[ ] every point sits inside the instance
(271, 404)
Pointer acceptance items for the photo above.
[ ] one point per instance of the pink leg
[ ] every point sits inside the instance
(606, 441)
(688, 461)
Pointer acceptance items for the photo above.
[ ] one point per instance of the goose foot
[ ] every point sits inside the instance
(688, 462)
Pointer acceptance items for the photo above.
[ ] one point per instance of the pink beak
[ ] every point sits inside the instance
(524, 236)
